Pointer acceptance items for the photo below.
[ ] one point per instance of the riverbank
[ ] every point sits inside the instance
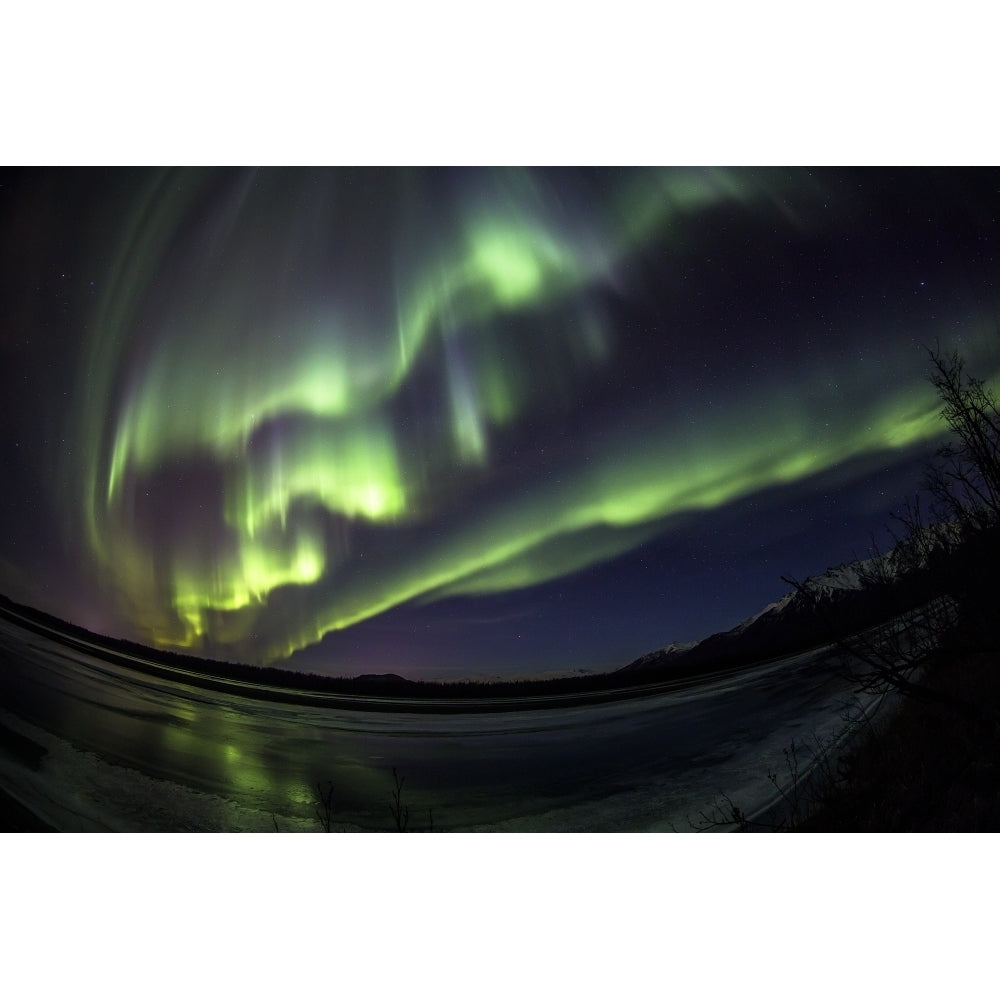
(926, 767)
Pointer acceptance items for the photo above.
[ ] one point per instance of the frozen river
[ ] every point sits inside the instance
(93, 745)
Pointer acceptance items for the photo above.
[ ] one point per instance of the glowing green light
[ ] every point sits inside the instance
(514, 263)
(349, 430)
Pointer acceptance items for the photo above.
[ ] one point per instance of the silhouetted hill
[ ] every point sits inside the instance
(843, 601)
(277, 684)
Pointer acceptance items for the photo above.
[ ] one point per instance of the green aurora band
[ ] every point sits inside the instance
(342, 372)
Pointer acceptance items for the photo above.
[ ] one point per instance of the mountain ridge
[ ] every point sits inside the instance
(843, 600)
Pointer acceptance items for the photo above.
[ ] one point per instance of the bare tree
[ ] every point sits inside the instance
(324, 805)
(964, 481)
(935, 584)
(400, 812)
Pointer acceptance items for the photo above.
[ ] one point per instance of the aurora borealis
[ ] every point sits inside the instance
(467, 422)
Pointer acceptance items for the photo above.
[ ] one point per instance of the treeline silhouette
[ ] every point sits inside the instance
(278, 684)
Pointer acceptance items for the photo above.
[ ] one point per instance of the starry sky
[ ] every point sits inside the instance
(467, 422)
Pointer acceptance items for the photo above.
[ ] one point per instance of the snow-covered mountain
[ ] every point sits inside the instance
(844, 599)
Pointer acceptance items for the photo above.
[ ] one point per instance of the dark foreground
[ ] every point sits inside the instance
(97, 743)
(927, 768)
(106, 743)
(14, 818)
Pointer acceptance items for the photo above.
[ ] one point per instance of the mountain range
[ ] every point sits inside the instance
(844, 600)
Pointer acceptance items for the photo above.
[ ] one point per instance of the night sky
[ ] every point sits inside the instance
(467, 423)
